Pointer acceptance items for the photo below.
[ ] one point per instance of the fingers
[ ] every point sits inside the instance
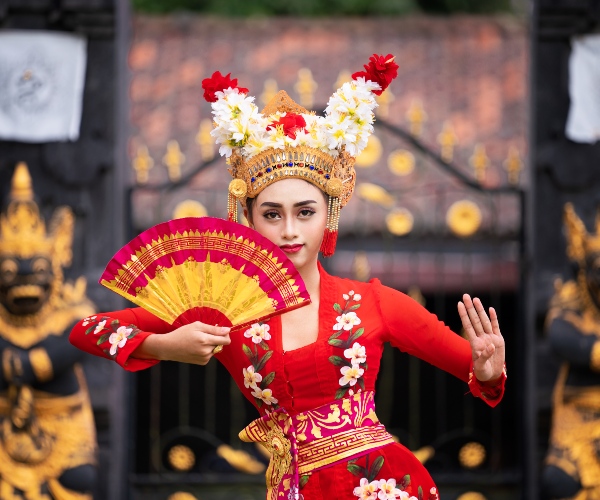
(466, 322)
(476, 316)
(485, 354)
(494, 321)
(214, 340)
(211, 329)
(483, 317)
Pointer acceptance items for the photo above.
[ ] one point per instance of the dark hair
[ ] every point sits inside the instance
(250, 202)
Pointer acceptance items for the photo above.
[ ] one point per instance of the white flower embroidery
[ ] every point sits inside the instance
(258, 333)
(351, 294)
(251, 378)
(350, 375)
(265, 394)
(118, 339)
(87, 321)
(294, 494)
(357, 354)
(99, 327)
(366, 490)
(346, 321)
(388, 490)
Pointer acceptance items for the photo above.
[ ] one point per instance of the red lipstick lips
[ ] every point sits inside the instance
(291, 248)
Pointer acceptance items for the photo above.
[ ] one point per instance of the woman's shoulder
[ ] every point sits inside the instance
(345, 285)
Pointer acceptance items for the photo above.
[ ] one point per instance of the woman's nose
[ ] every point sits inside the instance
(289, 228)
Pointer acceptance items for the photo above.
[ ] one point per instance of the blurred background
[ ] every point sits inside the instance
(490, 128)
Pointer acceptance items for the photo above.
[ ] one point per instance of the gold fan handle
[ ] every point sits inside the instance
(217, 349)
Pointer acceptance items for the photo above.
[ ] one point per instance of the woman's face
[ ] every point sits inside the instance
(292, 213)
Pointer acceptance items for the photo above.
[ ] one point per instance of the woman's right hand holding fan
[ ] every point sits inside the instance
(195, 343)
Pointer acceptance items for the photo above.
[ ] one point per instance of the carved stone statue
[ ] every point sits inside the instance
(573, 463)
(47, 433)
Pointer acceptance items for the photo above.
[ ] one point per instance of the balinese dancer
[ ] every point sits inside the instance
(293, 171)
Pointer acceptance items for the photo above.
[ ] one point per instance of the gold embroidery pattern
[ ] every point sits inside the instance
(195, 240)
(41, 364)
(324, 436)
(329, 450)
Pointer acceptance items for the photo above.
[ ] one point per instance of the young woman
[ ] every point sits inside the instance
(318, 418)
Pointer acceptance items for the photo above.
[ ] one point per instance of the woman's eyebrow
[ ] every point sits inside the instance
(279, 205)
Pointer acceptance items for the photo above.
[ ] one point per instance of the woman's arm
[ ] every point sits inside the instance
(136, 339)
(416, 331)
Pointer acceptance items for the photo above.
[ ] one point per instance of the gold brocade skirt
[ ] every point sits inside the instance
(575, 433)
(68, 436)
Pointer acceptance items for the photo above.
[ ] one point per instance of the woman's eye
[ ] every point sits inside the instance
(270, 215)
(306, 212)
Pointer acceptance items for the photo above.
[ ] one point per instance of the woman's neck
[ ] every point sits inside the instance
(312, 280)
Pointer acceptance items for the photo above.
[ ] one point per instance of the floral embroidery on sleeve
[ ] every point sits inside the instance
(258, 385)
(354, 362)
(114, 333)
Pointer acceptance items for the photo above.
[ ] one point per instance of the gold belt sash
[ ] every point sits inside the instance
(315, 439)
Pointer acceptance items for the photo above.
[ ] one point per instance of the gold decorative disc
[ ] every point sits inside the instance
(189, 208)
(471, 495)
(375, 194)
(181, 457)
(401, 162)
(463, 218)
(371, 154)
(399, 221)
(471, 455)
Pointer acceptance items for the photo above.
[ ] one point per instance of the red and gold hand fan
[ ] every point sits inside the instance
(206, 269)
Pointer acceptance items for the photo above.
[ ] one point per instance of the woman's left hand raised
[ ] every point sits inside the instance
(483, 333)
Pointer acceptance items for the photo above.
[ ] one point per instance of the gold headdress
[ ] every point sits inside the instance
(287, 141)
(23, 231)
(579, 242)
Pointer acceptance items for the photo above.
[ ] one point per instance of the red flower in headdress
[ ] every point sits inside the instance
(291, 124)
(218, 83)
(381, 70)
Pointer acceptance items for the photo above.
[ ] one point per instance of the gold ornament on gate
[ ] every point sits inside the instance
(463, 218)
(371, 154)
(401, 162)
(189, 208)
(181, 457)
(399, 221)
(471, 455)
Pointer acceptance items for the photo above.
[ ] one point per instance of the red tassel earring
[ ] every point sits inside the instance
(331, 230)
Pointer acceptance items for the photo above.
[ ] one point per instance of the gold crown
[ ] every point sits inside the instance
(334, 175)
(579, 242)
(23, 231)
